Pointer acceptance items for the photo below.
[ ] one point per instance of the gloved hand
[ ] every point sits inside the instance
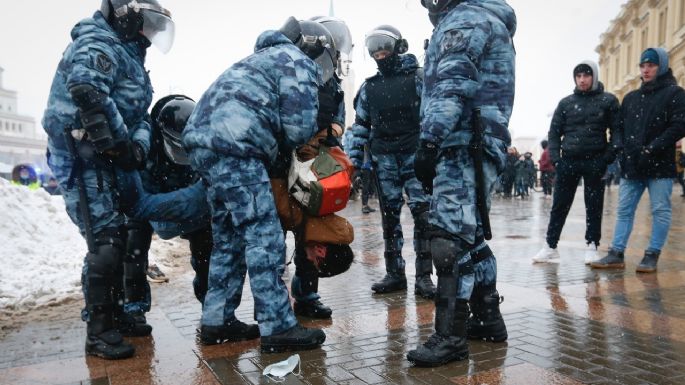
(127, 155)
(644, 160)
(424, 165)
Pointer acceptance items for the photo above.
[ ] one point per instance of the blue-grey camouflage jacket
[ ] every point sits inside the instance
(263, 103)
(99, 58)
(361, 129)
(469, 64)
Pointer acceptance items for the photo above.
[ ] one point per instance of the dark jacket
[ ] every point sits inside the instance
(578, 128)
(653, 119)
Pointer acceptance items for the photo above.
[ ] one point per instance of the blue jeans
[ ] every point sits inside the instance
(629, 195)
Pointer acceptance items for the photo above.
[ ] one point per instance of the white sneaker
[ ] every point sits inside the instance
(591, 254)
(546, 254)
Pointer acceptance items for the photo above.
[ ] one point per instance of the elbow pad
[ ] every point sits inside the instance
(90, 103)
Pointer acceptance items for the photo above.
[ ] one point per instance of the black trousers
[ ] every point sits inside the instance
(568, 174)
(366, 186)
(547, 181)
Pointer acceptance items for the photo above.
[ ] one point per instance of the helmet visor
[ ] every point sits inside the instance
(173, 148)
(158, 27)
(380, 42)
(327, 64)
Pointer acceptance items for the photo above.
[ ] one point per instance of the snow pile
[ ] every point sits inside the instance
(41, 250)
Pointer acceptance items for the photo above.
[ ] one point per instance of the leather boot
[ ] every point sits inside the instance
(613, 260)
(394, 279)
(486, 322)
(230, 332)
(103, 340)
(449, 342)
(295, 338)
(648, 263)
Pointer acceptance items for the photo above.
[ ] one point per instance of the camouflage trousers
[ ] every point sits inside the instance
(247, 239)
(395, 174)
(454, 212)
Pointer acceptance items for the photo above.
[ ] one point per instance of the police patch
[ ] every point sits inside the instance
(103, 63)
(454, 40)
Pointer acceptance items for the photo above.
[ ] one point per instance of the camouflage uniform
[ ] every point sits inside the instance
(393, 159)
(469, 64)
(97, 57)
(264, 103)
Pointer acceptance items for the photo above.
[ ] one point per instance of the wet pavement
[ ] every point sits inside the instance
(567, 323)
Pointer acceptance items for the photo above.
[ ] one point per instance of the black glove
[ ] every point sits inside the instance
(127, 155)
(645, 161)
(424, 165)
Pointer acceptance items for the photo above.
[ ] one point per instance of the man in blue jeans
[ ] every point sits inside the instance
(653, 121)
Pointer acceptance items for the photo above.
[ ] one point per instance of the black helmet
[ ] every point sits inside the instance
(315, 41)
(169, 117)
(131, 18)
(337, 261)
(342, 38)
(386, 38)
(435, 7)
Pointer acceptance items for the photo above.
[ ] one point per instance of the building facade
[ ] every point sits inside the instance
(641, 24)
(19, 141)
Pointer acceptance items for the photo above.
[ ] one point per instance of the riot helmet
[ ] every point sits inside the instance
(169, 117)
(132, 18)
(315, 41)
(343, 41)
(385, 38)
(435, 7)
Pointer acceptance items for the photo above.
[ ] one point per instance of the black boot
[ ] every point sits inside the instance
(449, 342)
(613, 260)
(648, 263)
(295, 338)
(424, 286)
(103, 340)
(394, 279)
(486, 322)
(230, 332)
(312, 309)
(132, 325)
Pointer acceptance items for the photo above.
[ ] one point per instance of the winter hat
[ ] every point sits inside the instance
(582, 68)
(649, 56)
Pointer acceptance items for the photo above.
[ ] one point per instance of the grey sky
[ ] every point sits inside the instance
(552, 36)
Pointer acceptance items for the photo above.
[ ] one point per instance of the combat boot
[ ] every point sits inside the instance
(295, 338)
(486, 322)
(394, 279)
(312, 309)
(230, 332)
(130, 325)
(648, 263)
(104, 341)
(449, 342)
(613, 260)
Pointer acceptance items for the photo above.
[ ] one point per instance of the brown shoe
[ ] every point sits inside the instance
(613, 260)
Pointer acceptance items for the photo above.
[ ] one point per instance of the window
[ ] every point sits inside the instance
(662, 27)
(682, 14)
(20, 128)
(629, 59)
(644, 39)
(617, 70)
(14, 126)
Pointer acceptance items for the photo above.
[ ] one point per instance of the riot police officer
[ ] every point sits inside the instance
(469, 72)
(96, 121)
(387, 119)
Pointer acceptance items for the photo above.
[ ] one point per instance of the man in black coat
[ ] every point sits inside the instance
(653, 121)
(579, 148)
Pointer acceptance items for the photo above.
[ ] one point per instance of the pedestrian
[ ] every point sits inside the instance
(680, 166)
(248, 122)
(546, 169)
(521, 181)
(96, 126)
(579, 148)
(388, 122)
(469, 66)
(653, 121)
(508, 176)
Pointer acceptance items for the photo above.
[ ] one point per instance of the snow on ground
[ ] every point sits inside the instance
(41, 250)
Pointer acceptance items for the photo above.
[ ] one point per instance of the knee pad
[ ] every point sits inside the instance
(422, 227)
(446, 253)
(138, 241)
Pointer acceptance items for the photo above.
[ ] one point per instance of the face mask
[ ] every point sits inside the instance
(389, 65)
(279, 370)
